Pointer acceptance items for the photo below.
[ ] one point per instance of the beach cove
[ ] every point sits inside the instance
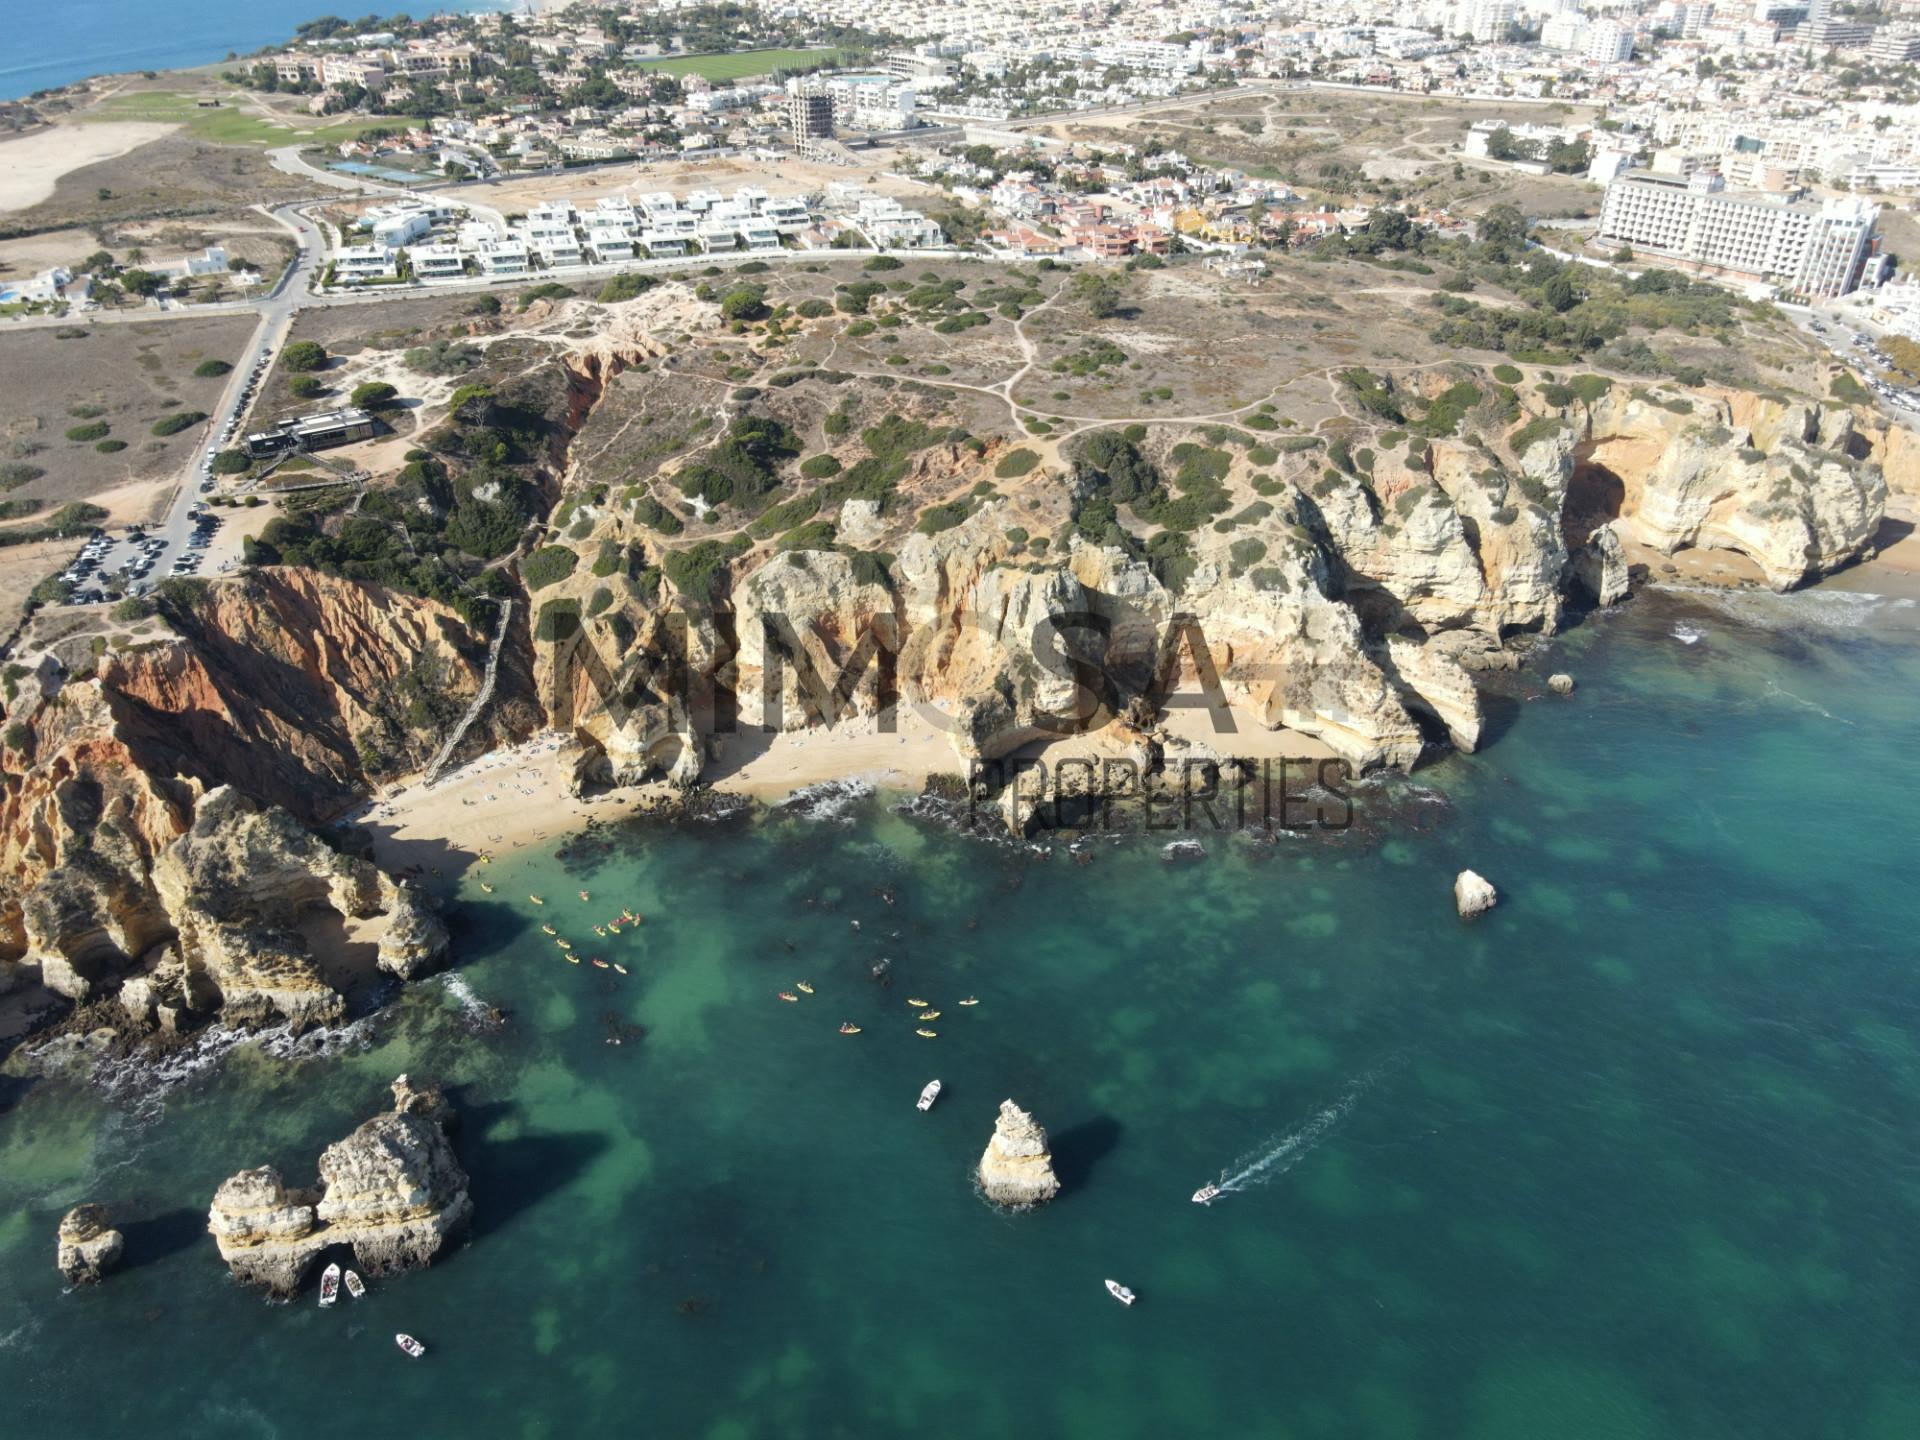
(1624, 1158)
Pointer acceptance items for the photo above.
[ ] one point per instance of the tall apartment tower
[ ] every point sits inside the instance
(809, 117)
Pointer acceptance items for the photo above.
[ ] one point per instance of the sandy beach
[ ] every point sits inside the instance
(32, 165)
(517, 798)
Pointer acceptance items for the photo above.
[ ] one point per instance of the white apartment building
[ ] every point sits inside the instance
(1807, 249)
(502, 257)
(1490, 21)
(1608, 43)
(437, 262)
(356, 264)
(1565, 31)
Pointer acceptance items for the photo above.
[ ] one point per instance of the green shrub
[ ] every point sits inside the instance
(819, 467)
(815, 535)
(373, 395)
(211, 369)
(813, 309)
(14, 474)
(180, 420)
(304, 355)
(87, 434)
(623, 287)
(551, 290)
(109, 447)
(655, 516)
(1543, 427)
(304, 387)
(1016, 463)
(1507, 374)
(882, 262)
(548, 566)
(553, 617)
(230, 462)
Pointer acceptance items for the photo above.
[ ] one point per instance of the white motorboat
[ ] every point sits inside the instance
(356, 1287)
(412, 1346)
(329, 1285)
(1206, 1194)
(1120, 1292)
(929, 1095)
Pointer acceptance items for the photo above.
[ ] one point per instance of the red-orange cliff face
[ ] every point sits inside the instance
(295, 688)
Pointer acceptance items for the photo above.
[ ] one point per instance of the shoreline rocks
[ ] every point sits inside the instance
(392, 1191)
(1473, 894)
(89, 1246)
(1560, 683)
(1017, 1170)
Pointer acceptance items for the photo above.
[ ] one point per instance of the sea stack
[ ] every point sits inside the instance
(1560, 683)
(89, 1247)
(1017, 1171)
(392, 1190)
(1473, 895)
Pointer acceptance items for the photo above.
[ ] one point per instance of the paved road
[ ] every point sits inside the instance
(276, 310)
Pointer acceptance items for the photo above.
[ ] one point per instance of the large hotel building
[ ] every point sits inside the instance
(1811, 249)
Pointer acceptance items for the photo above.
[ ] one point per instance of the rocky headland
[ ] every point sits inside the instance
(392, 1191)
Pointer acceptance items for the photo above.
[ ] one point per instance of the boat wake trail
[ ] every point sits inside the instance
(1280, 1154)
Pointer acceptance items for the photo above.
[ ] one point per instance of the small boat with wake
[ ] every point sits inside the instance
(1206, 1194)
(598, 963)
(970, 1000)
(329, 1285)
(928, 1034)
(928, 1015)
(536, 899)
(1120, 1292)
(619, 967)
(356, 1287)
(789, 997)
(486, 887)
(413, 1348)
(847, 1027)
(927, 1096)
(585, 896)
(803, 987)
(549, 930)
(919, 1004)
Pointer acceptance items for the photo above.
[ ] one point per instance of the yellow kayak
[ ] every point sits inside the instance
(919, 1004)
(486, 887)
(803, 987)
(930, 1034)
(536, 899)
(928, 1015)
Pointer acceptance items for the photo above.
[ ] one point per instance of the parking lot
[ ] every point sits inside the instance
(110, 566)
(1863, 349)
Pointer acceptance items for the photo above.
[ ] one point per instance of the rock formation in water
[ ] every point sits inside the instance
(89, 1246)
(392, 1191)
(1560, 683)
(1016, 1169)
(1473, 895)
(415, 942)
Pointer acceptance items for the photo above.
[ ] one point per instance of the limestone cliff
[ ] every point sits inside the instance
(392, 1191)
(1782, 483)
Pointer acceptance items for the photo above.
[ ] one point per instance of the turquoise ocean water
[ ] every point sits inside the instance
(1634, 1156)
(56, 42)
